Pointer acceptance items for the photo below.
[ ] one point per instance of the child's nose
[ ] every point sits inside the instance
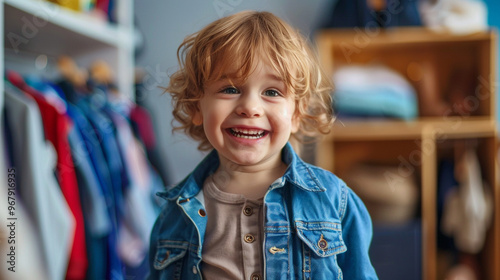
(250, 106)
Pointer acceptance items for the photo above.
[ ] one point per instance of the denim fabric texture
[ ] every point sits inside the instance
(315, 226)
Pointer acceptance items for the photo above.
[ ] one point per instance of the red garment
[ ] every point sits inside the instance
(102, 5)
(56, 127)
(141, 118)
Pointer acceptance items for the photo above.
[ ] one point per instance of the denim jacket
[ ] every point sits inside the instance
(315, 226)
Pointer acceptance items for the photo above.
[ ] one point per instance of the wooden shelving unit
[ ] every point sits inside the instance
(420, 142)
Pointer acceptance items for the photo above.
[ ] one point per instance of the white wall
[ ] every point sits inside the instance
(164, 24)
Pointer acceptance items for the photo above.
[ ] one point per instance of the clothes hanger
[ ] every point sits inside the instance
(74, 79)
(101, 73)
(377, 5)
(68, 69)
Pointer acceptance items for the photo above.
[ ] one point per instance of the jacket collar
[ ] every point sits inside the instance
(298, 174)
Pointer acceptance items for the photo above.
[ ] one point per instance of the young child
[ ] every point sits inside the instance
(252, 209)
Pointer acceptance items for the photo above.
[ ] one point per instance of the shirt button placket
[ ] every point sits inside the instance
(248, 211)
(249, 238)
(255, 276)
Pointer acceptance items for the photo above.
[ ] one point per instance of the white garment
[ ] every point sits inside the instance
(456, 16)
(468, 209)
(27, 250)
(37, 185)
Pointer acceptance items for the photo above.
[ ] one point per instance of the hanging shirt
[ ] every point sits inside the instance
(35, 160)
(106, 260)
(56, 127)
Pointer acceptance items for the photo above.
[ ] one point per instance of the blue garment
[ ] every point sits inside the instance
(95, 212)
(358, 13)
(111, 114)
(447, 184)
(103, 129)
(323, 226)
(377, 101)
(374, 90)
(101, 240)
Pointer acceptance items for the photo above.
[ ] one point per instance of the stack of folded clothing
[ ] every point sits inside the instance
(373, 91)
(391, 196)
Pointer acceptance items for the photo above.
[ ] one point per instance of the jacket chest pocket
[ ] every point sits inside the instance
(169, 259)
(321, 243)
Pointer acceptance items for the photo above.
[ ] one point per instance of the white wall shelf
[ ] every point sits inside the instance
(37, 25)
(33, 27)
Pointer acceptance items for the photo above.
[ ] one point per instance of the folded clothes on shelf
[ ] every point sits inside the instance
(373, 90)
(391, 196)
(456, 16)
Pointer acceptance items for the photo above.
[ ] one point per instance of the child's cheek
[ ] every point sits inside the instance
(285, 118)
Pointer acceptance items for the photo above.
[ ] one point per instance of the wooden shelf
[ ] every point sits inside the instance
(420, 144)
(456, 127)
(393, 37)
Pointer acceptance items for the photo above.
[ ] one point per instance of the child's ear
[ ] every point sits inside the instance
(197, 118)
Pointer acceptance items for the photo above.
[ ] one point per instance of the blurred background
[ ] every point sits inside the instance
(87, 132)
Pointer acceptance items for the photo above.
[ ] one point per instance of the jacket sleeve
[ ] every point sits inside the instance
(357, 234)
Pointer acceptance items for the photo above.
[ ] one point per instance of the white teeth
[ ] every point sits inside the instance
(247, 133)
(248, 137)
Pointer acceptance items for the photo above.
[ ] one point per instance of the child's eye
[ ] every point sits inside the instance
(230, 90)
(272, 93)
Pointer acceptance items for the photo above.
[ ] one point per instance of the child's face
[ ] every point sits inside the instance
(249, 122)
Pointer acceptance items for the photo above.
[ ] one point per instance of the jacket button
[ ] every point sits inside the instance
(322, 243)
(248, 211)
(167, 255)
(202, 213)
(195, 271)
(255, 276)
(249, 238)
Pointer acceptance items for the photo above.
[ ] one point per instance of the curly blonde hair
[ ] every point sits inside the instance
(241, 39)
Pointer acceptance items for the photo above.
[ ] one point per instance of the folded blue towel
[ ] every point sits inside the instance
(374, 91)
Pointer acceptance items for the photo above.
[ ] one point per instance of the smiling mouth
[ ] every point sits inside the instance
(247, 133)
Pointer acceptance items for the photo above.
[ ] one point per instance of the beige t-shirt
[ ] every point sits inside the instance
(233, 239)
